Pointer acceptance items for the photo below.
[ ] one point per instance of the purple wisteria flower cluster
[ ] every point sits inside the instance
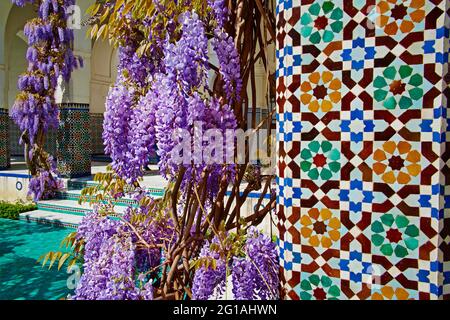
(115, 262)
(175, 86)
(229, 65)
(117, 129)
(220, 11)
(256, 275)
(253, 276)
(44, 185)
(128, 127)
(212, 279)
(49, 57)
(186, 61)
(160, 94)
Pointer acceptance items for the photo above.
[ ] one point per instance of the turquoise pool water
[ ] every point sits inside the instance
(21, 277)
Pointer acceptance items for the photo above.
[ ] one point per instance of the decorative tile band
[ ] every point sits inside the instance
(15, 175)
(49, 222)
(62, 209)
(79, 185)
(363, 137)
(96, 128)
(77, 197)
(74, 106)
(4, 140)
(74, 210)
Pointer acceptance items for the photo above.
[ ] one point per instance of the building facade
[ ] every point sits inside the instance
(82, 104)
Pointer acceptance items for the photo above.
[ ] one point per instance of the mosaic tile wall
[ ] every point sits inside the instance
(4, 139)
(363, 129)
(74, 141)
(96, 127)
(96, 133)
(14, 137)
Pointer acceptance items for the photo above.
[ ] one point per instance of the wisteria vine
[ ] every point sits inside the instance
(191, 242)
(49, 57)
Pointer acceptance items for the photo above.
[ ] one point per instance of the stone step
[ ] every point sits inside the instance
(65, 210)
(53, 218)
(70, 207)
(78, 185)
(75, 195)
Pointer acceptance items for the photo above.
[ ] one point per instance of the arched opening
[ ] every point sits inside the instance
(104, 61)
(15, 47)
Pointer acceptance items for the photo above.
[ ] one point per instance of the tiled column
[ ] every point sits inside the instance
(4, 140)
(74, 141)
(363, 163)
(96, 133)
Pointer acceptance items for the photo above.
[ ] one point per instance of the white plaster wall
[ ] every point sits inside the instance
(12, 54)
(12, 49)
(104, 62)
(79, 89)
(269, 225)
(5, 7)
(2, 84)
(13, 189)
(17, 65)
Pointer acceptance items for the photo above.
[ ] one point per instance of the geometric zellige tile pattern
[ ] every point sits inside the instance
(363, 148)
(96, 133)
(74, 141)
(4, 139)
(17, 149)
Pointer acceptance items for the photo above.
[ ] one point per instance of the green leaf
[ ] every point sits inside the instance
(55, 257)
(46, 257)
(119, 3)
(94, 30)
(62, 260)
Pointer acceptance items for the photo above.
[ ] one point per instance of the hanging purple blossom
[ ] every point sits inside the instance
(254, 276)
(186, 61)
(117, 129)
(229, 65)
(259, 271)
(209, 280)
(220, 11)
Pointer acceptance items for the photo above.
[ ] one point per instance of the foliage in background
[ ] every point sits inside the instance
(10, 210)
(71, 254)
